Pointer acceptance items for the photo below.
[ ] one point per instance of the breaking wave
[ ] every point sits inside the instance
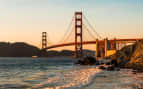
(75, 78)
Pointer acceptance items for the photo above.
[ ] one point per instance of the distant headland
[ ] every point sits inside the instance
(21, 49)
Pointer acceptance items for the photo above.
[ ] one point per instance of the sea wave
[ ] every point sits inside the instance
(75, 78)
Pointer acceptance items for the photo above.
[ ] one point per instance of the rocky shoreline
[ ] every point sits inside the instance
(89, 60)
(130, 57)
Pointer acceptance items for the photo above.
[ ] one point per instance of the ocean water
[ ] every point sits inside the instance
(61, 73)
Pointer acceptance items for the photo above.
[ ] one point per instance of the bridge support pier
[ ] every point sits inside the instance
(110, 47)
(97, 49)
(106, 45)
(100, 50)
(105, 49)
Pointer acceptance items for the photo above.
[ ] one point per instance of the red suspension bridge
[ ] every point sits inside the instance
(82, 33)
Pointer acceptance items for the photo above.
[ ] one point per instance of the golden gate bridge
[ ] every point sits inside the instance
(80, 32)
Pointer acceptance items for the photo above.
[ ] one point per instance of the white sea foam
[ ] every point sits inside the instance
(75, 78)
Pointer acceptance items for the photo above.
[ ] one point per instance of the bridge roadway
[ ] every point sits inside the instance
(93, 42)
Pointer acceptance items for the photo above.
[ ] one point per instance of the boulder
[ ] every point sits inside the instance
(117, 69)
(111, 68)
(102, 67)
(89, 60)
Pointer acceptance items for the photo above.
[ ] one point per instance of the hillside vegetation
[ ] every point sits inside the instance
(130, 56)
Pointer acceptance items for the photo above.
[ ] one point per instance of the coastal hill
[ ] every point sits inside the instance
(21, 49)
(130, 56)
(18, 49)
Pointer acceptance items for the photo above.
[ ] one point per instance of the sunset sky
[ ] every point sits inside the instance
(25, 20)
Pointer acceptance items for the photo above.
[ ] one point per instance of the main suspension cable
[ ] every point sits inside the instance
(89, 32)
(67, 31)
(91, 27)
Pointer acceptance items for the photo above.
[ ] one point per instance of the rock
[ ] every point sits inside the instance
(110, 68)
(114, 62)
(102, 67)
(79, 62)
(137, 71)
(108, 63)
(97, 63)
(130, 56)
(117, 69)
(87, 61)
(134, 71)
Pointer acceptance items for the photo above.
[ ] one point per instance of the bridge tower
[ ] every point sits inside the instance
(78, 34)
(44, 40)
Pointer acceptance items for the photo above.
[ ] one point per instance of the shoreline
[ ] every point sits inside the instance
(130, 56)
(74, 77)
(115, 79)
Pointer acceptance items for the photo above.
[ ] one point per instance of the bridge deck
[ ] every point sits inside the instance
(94, 42)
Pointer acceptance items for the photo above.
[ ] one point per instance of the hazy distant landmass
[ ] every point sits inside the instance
(66, 53)
(21, 49)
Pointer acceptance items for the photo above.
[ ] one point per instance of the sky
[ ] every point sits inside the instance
(25, 20)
